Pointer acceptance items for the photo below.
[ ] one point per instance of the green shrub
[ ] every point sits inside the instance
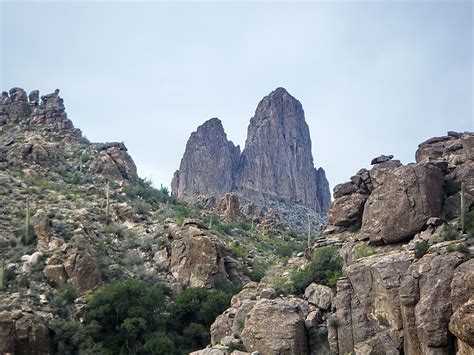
(325, 268)
(258, 271)
(469, 223)
(448, 233)
(421, 248)
(126, 313)
(363, 250)
(65, 296)
(238, 250)
(462, 248)
(141, 207)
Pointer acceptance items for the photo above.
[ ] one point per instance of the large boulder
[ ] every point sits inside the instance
(200, 261)
(347, 210)
(275, 327)
(400, 207)
(113, 162)
(40, 223)
(319, 295)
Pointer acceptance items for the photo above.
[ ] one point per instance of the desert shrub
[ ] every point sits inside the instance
(238, 250)
(462, 248)
(64, 298)
(141, 207)
(363, 250)
(421, 248)
(469, 223)
(448, 233)
(257, 272)
(325, 268)
(145, 191)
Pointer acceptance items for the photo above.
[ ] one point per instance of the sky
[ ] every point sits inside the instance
(376, 77)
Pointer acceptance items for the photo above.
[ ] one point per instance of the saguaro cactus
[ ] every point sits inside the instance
(27, 223)
(463, 210)
(2, 274)
(309, 231)
(107, 207)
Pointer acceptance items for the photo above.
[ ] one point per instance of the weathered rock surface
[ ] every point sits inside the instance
(23, 333)
(277, 161)
(275, 165)
(115, 163)
(203, 261)
(399, 208)
(209, 163)
(275, 326)
(347, 210)
(229, 206)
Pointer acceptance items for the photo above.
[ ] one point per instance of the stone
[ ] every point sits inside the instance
(347, 210)
(379, 171)
(24, 333)
(209, 163)
(33, 97)
(275, 326)
(344, 189)
(199, 261)
(400, 208)
(115, 163)
(425, 303)
(277, 161)
(83, 271)
(461, 325)
(319, 295)
(381, 159)
(323, 193)
(229, 206)
(40, 223)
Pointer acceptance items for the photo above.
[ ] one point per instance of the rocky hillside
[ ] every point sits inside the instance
(75, 217)
(275, 169)
(392, 273)
(94, 260)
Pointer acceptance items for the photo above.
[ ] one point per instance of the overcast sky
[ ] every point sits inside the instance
(373, 77)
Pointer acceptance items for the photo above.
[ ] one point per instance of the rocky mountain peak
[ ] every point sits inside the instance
(277, 161)
(275, 169)
(209, 163)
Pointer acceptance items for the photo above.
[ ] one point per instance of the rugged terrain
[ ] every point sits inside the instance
(275, 170)
(391, 273)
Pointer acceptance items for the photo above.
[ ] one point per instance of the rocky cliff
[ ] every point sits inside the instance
(276, 164)
(209, 163)
(405, 239)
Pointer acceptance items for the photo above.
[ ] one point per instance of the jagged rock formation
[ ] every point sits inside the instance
(407, 284)
(275, 165)
(209, 163)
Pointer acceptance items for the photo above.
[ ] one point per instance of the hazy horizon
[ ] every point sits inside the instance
(373, 77)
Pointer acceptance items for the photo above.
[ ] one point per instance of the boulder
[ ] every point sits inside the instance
(346, 188)
(199, 261)
(319, 295)
(229, 206)
(400, 208)
(115, 163)
(347, 210)
(379, 171)
(275, 326)
(381, 159)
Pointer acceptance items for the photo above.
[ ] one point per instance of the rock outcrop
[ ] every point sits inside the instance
(23, 333)
(276, 164)
(277, 161)
(209, 163)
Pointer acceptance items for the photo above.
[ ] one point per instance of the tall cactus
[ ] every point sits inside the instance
(210, 221)
(309, 231)
(107, 207)
(3, 275)
(27, 223)
(463, 210)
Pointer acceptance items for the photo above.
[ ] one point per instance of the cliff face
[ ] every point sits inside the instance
(276, 164)
(407, 278)
(209, 163)
(277, 160)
